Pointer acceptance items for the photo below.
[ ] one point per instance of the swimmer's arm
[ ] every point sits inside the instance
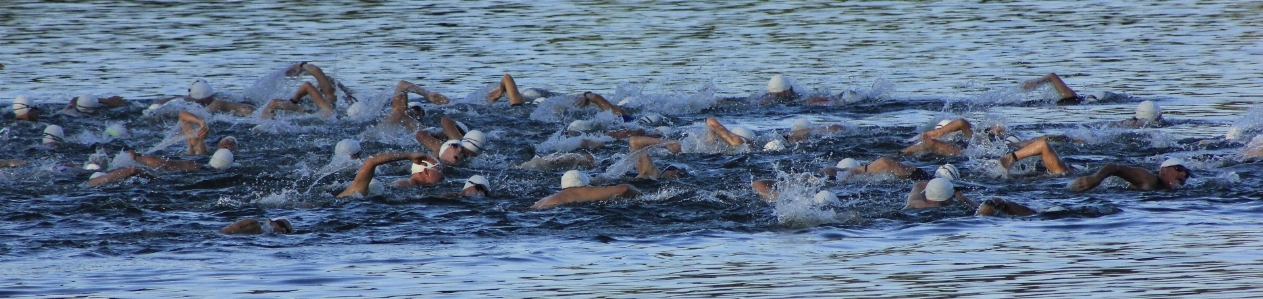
(646, 168)
(326, 107)
(932, 146)
(450, 129)
(603, 104)
(965, 200)
(350, 99)
(636, 143)
(764, 189)
(243, 226)
(959, 124)
(722, 132)
(324, 81)
(1138, 178)
(916, 197)
(119, 175)
(239, 109)
(628, 133)
(433, 97)
(1062, 89)
(11, 163)
(365, 174)
(586, 194)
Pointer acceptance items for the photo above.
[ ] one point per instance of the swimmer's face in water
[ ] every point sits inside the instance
(454, 155)
(281, 226)
(1174, 176)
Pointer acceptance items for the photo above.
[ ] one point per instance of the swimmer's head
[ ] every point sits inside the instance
(942, 123)
(1148, 111)
(774, 145)
(800, 124)
(939, 189)
(53, 134)
(200, 89)
(425, 165)
(825, 197)
(476, 186)
(116, 129)
(778, 84)
(651, 119)
(580, 126)
(1173, 173)
(426, 173)
(228, 143)
(574, 178)
(86, 103)
(947, 171)
(348, 148)
(848, 163)
(473, 141)
(744, 132)
(416, 112)
(450, 152)
(221, 160)
(674, 172)
(22, 105)
(281, 226)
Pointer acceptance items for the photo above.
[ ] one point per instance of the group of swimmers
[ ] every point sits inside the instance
(453, 144)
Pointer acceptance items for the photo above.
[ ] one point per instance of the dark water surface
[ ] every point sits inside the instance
(701, 236)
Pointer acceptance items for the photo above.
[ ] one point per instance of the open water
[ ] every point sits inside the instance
(706, 235)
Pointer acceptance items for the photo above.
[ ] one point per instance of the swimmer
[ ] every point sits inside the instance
(200, 92)
(1171, 175)
(348, 149)
(1037, 147)
(645, 168)
(735, 137)
(54, 136)
(574, 188)
(324, 82)
(197, 143)
(84, 104)
(324, 105)
(1068, 96)
(996, 206)
(929, 143)
(221, 160)
(882, 166)
(561, 161)
(228, 142)
(408, 114)
(24, 110)
(938, 192)
(461, 143)
(255, 227)
(803, 130)
(1148, 115)
(507, 88)
(636, 143)
(428, 172)
(365, 175)
(600, 102)
(117, 176)
(779, 90)
(475, 187)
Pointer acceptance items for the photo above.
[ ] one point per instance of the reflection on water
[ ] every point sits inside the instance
(929, 60)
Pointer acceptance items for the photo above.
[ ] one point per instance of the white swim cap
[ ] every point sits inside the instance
(96, 174)
(650, 119)
(1011, 139)
(21, 105)
(1148, 111)
(221, 160)
(92, 166)
(346, 147)
(947, 171)
(375, 187)
(473, 141)
(848, 163)
(580, 126)
(477, 180)
(54, 134)
(355, 109)
(825, 197)
(422, 167)
(664, 130)
(800, 124)
(626, 101)
(1172, 162)
(86, 103)
(744, 133)
(116, 130)
(939, 189)
(531, 94)
(152, 107)
(416, 105)
(200, 90)
(574, 178)
(774, 145)
(942, 123)
(447, 145)
(540, 100)
(778, 83)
